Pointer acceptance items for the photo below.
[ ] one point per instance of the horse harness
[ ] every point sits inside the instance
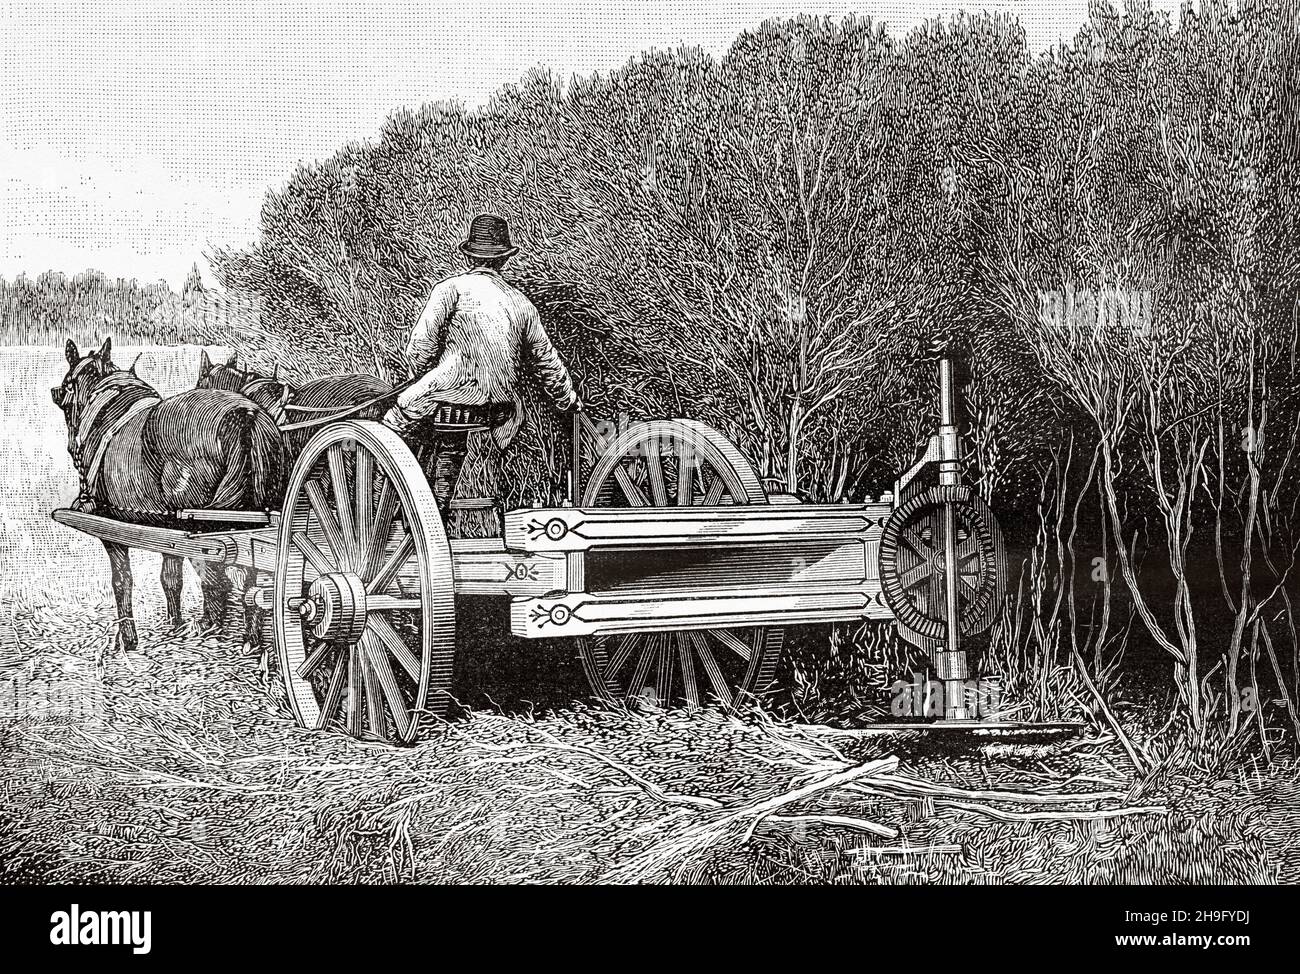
(112, 404)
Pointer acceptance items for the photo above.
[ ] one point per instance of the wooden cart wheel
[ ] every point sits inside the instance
(913, 569)
(677, 463)
(364, 614)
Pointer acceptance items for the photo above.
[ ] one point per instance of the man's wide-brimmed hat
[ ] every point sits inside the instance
(489, 236)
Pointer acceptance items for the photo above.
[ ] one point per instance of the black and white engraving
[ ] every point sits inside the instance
(650, 444)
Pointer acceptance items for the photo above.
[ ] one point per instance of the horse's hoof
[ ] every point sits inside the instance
(124, 642)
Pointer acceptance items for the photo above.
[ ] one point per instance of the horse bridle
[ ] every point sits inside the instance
(80, 416)
(74, 410)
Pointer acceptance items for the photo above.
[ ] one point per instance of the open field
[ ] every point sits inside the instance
(177, 767)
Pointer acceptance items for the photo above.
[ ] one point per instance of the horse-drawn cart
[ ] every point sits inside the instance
(672, 569)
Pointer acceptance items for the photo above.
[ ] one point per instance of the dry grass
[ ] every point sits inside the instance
(176, 768)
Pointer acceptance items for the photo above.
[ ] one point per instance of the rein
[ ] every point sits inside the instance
(336, 414)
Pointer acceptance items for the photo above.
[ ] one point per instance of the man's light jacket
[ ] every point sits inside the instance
(473, 343)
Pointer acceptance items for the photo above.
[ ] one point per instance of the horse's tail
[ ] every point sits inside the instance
(255, 465)
(266, 453)
(236, 435)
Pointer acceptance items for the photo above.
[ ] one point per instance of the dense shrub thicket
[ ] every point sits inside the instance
(769, 241)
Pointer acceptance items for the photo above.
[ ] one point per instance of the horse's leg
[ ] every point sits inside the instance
(251, 614)
(173, 580)
(216, 592)
(124, 638)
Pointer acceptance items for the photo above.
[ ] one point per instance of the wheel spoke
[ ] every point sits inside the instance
(664, 672)
(383, 671)
(655, 468)
(711, 668)
(391, 603)
(384, 577)
(385, 511)
(625, 647)
(915, 576)
(374, 699)
(333, 695)
(329, 525)
(907, 543)
(317, 657)
(638, 684)
(736, 645)
(395, 644)
(355, 725)
(311, 551)
(343, 498)
(630, 490)
(365, 514)
(685, 478)
(715, 491)
(687, 660)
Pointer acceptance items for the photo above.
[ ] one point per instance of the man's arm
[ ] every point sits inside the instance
(427, 337)
(551, 372)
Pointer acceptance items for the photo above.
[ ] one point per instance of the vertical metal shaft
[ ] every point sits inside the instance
(952, 667)
(575, 474)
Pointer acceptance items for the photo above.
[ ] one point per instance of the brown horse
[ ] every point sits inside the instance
(265, 390)
(312, 400)
(142, 458)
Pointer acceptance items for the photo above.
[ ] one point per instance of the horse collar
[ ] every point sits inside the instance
(103, 395)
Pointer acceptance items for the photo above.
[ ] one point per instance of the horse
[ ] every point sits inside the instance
(312, 400)
(265, 390)
(142, 458)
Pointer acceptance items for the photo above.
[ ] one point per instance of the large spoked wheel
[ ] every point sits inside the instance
(677, 463)
(913, 562)
(364, 613)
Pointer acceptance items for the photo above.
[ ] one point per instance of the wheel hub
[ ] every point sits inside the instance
(336, 607)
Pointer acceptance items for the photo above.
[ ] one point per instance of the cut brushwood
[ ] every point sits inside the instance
(905, 785)
(679, 847)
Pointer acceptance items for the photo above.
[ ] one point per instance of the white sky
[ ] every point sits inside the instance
(135, 136)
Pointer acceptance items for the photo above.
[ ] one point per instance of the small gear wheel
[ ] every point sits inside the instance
(913, 562)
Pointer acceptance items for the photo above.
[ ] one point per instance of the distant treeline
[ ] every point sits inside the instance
(90, 306)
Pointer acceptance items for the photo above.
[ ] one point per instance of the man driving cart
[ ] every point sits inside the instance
(475, 340)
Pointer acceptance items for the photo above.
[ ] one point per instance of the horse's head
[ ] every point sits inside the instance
(265, 390)
(84, 374)
(228, 375)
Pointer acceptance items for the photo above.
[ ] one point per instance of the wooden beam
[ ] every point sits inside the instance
(582, 529)
(254, 518)
(481, 566)
(594, 614)
(204, 546)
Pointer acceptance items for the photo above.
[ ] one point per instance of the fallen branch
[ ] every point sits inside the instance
(906, 850)
(929, 789)
(841, 821)
(679, 846)
(1061, 815)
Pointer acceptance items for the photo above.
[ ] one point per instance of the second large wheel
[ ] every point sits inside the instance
(364, 610)
(677, 463)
